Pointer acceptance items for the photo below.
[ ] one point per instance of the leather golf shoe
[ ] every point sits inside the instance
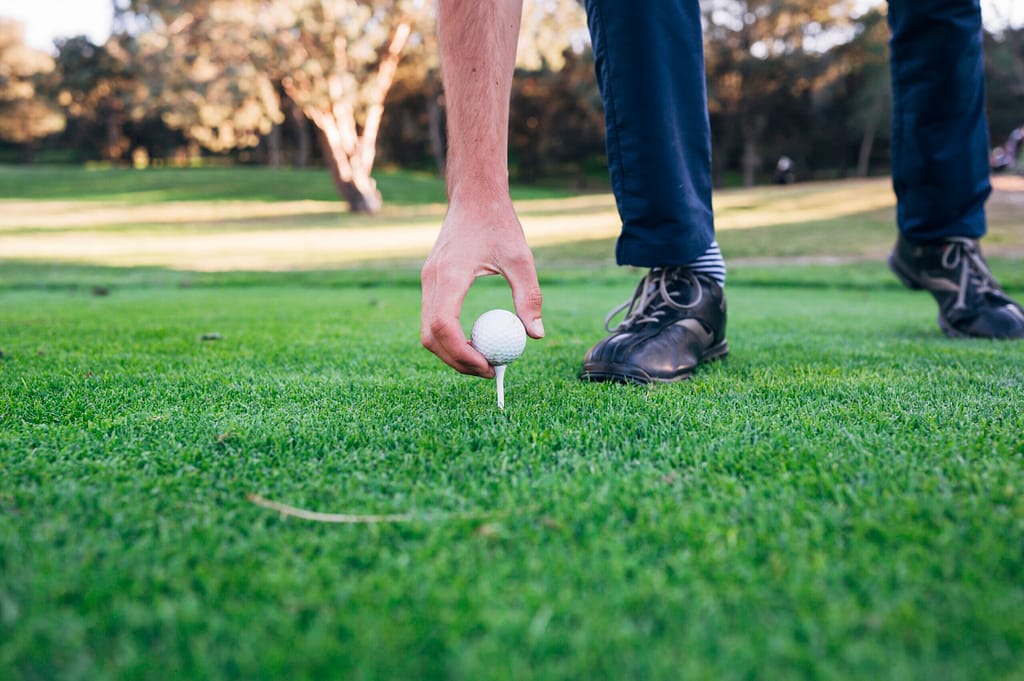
(674, 322)
(971, 303)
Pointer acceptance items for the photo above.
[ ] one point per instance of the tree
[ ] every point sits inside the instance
(99, 87)
(556, 123)
(339, 61)
(1004, 80)
(26, 115)
(551, 31)
(761, 53)
(201, 77)
(1011, 38)
(871, 99)
(217, 69)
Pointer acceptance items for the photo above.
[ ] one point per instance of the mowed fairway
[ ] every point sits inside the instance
(840, 498)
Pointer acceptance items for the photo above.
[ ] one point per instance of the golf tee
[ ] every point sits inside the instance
(499, 377)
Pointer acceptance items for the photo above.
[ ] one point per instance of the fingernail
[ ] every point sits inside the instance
(538, 328)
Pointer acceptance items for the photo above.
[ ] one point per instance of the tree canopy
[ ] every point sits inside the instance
(220, 70)
(355, 83)
(26, 113)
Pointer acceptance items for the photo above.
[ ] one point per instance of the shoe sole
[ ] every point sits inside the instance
(601, 372)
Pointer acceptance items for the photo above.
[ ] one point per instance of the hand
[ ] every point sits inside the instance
(475, 240)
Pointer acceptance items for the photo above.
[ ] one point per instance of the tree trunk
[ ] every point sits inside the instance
(352, 180)
(115, 137)
(868, 141)
(301, 125)
(273, 141)
(750, 160)
(1013, 37)
(348, 152)
(751, 132)
(720, 152)
(717, 176)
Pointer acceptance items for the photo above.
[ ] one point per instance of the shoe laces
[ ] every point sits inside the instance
(963, 253)
(652, 298)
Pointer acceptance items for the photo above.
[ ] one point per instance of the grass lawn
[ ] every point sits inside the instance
(256, 184)
(840, 498)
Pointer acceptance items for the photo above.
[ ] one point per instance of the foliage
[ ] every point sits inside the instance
(102, 91)
(25, 114)
(205, 82)
(550, 28)
(1004, 61)
(220, 68)
(764, 57)
(557, 124)
(808, 80)
(852, 94)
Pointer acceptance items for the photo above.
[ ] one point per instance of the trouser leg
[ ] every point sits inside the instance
(940, 134)
(650, 68)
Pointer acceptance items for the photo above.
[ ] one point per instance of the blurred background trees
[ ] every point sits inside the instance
(354, 85)
(27, 112)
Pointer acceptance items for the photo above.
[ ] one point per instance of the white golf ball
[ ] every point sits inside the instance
(499, 336)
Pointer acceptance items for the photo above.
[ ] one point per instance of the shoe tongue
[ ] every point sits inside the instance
(678, 286)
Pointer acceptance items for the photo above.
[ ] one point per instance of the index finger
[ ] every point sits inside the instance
(441, 332)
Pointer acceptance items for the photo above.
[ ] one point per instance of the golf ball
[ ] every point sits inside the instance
(499, 336)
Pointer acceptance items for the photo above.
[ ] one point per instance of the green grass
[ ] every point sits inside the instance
(217, 184)
(251, 218)
(840, 498)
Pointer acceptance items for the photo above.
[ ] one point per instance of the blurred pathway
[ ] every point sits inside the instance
(235, 235)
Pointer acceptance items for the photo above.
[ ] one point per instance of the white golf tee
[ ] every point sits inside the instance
(499, 377)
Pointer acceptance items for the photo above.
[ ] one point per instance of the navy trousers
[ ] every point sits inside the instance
(650, 69)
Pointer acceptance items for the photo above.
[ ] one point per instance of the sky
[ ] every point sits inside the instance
(46, 20)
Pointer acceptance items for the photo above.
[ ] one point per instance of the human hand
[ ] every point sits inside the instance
(476, 240)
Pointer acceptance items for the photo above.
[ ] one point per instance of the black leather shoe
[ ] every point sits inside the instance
(674, 321)
(971, 304)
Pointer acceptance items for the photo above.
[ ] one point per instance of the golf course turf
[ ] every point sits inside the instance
(840, 498)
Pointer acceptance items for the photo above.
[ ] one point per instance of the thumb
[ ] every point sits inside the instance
(526, 295)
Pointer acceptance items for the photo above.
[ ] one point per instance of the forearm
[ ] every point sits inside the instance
(478, 50)
(481, 234)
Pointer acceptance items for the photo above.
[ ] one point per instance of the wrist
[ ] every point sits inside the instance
(479, 190)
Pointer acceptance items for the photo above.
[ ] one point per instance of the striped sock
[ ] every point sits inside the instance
(711, 264)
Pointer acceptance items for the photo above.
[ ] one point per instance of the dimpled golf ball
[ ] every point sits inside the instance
(499, 336)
